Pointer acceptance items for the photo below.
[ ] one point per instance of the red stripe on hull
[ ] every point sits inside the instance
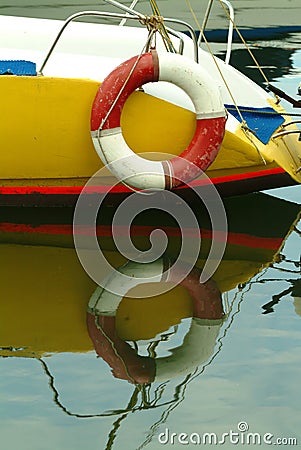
(120, 188)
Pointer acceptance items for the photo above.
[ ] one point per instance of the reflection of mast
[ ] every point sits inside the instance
(143, 390)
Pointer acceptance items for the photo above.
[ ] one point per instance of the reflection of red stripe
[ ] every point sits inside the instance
(246, 240)
(241, 239)
(119, 188)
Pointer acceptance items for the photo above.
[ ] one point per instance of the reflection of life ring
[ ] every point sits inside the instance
(198, 344)
(106, 112)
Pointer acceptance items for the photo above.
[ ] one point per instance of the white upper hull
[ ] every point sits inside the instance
(89, 50)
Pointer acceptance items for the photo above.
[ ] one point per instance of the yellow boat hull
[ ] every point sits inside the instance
(45, 132)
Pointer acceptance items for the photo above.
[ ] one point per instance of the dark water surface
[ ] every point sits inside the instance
(73, 379)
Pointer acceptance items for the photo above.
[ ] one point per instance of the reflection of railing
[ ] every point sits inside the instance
(196, 348)
(146, 396)
(135, 404)
(294, 288)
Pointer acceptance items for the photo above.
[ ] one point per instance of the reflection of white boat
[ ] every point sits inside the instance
(53, 146)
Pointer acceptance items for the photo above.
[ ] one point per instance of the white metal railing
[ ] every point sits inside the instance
(129, 14)
(230, 29)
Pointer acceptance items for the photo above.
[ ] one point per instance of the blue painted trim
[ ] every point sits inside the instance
(262, 121)
(17, 67)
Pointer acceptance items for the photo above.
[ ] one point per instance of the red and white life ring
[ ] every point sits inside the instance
(126, 364)
(106, 112)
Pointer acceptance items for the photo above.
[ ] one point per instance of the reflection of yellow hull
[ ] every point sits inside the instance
(46, 137)
(45, 292)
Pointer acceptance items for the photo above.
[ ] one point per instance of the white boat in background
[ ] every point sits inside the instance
(49, 154)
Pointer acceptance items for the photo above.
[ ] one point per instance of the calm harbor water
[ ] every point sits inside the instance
(71, 378)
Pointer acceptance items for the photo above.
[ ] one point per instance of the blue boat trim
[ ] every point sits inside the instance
(262, 121)
(18, 67)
